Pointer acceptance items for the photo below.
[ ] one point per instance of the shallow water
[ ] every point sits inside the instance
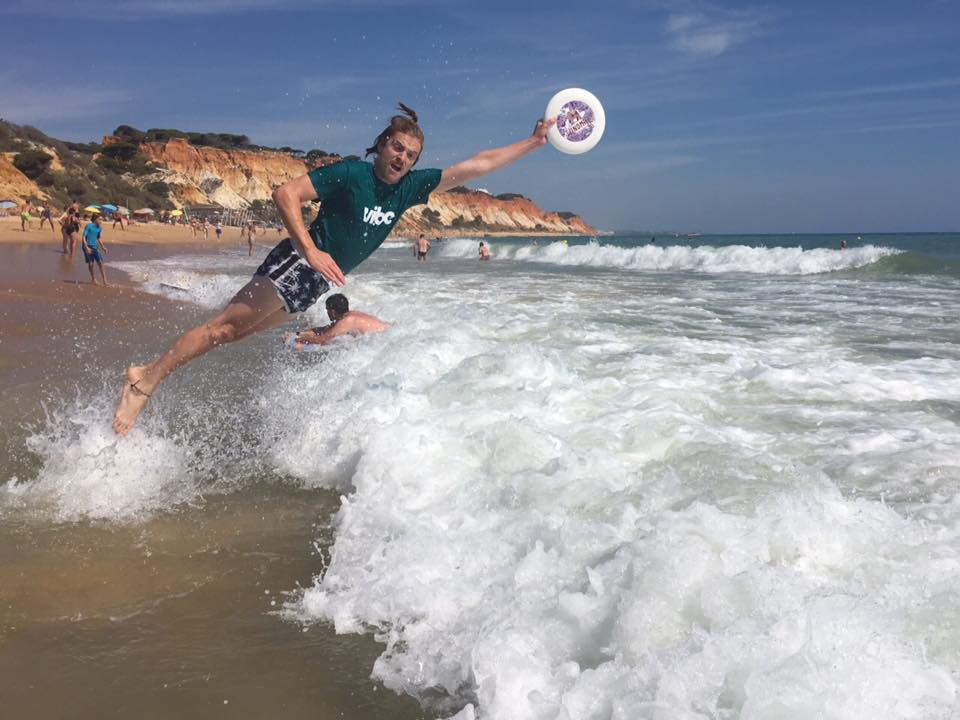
(604, 478)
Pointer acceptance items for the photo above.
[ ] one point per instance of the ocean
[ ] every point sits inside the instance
(595, 478)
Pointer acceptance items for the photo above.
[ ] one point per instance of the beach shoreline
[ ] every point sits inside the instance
(62, 337)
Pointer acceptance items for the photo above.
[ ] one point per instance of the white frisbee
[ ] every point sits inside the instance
(580, 121)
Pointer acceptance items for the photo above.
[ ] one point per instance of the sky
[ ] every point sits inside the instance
(721, 117)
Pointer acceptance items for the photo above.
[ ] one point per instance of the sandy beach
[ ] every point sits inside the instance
(45, 292)
(176, 610)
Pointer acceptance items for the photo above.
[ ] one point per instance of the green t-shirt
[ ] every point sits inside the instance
(358, 210)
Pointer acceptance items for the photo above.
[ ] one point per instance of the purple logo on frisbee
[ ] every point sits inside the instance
(575, 121)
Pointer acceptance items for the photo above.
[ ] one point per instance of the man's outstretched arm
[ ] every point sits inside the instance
(486, 161)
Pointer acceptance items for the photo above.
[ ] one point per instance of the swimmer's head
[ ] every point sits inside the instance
(337, 306)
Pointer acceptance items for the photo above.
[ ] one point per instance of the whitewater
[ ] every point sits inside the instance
(593, 479)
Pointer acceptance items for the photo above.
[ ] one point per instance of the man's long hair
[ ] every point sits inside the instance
(406, 124)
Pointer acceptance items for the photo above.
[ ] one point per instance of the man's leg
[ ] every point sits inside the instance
(252, 309)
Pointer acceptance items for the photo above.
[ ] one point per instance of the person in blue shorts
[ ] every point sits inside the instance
(92, 246)
(360, 202)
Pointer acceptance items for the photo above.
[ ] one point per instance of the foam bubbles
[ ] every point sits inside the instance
(725, 490)
(90, 473)
(703, 259)
(205, 280)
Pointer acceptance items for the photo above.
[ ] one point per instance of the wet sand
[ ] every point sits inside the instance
(174, 616)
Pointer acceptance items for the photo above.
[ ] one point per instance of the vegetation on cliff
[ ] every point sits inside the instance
(68, 172)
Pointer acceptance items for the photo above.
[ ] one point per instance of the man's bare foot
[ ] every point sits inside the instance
(132, 400)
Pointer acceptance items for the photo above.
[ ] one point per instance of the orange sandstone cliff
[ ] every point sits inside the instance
(14, 185)
(472, 213)
(235, 178)
(231, 178)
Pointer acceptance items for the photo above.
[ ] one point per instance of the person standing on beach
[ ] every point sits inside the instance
(92, 246)
(25, 217)
(423, 247)
(70, 229)
(46, 215)
(251, 233)
(344, 321)
(64, 221)
(360, 202)
(219, 230)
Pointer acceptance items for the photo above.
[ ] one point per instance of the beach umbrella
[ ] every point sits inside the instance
(7, 204)
(176, 213)
(143, 211)
(108, 208)
(123, 210)
(91, 209)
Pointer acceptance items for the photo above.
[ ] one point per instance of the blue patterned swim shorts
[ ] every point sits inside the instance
(297, 284)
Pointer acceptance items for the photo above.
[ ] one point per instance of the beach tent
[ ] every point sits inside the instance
(7, 204)
(141, 211)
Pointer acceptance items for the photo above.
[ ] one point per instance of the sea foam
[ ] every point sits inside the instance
(702, 259)
(723, 497)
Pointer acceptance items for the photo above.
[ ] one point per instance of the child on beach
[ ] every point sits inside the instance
(92, 245)
(360, 202)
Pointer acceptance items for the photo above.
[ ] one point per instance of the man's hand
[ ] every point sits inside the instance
(324, 264)
(541, 128)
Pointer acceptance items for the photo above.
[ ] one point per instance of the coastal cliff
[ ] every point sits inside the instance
(141, 169)
(470, 213)
(231, 178)
(14, 185)
(235, 178)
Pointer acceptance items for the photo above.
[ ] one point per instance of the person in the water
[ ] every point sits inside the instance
(343, 321)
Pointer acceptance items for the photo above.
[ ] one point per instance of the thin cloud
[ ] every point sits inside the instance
(697, 34)
(894, 88)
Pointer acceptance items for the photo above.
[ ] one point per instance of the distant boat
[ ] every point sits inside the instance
(690, 235)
